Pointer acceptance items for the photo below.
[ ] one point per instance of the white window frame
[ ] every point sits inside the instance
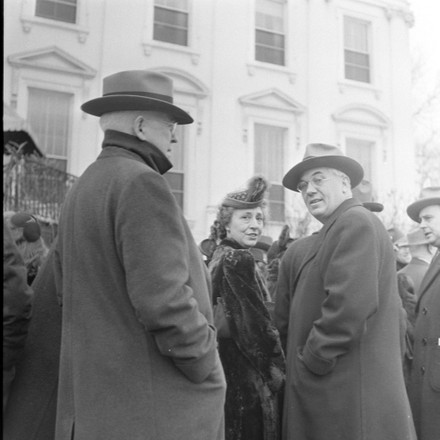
(187, 12)
(256, 29)
(367, 26)
(151, 45)
(81, 27)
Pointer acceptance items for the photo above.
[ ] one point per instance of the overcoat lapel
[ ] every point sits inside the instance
(320, 237)
(432, 272)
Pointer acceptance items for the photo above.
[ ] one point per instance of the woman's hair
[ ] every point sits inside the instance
(224, 215)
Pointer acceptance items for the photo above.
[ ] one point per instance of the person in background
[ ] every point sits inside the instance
(343, 321)
(402, 255)
(424, 386)
(26, 232)
(421, 256)
(31, 410)
(249, 344)
(17, 309)
(139, 355)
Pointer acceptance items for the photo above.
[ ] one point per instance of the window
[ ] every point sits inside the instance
(269, 31)
(269, 160)
(362, 151)
(61, 10)
(171, 21)
(356, 49)
(49, 115)
(175, 176)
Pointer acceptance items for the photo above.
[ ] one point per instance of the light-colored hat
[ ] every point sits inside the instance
(364, 193)
(251, 197)
(323, 155)
(137, 90)
(415, 238)
(429, 196)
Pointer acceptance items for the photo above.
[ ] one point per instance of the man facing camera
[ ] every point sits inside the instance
(343, 311)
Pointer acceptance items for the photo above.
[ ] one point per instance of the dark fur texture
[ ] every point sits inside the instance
(252, 358)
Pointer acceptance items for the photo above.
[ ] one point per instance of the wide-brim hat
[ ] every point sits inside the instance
(137, 90)
(429, 196)
(415, 238)
(323, 155)
(364, 193)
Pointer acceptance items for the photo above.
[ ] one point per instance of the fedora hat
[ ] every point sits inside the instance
(323, 155)
(137, 90)
(363, 192)
(415, 238)
(395, 234)
(429, 196)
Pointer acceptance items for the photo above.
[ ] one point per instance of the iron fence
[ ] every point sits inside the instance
(32, 186)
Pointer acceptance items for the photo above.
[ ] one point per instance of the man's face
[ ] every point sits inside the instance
(402, 253)
(158, 129)
(324, 193)
(430, 224)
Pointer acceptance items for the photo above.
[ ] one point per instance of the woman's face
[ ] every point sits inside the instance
(246, 226)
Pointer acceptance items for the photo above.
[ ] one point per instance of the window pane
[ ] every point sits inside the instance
(175, 4)
(49, 116)
(62, 10)
(269, 39)
(170, 26)
(170, 35)
(362, 151)
(356, 53)
(269, 160)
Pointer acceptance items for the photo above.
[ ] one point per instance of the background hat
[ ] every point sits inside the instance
(323, 155)
(137, 90)
(252, 197)
(395, 234)
(415, 238)
(31, 228)
(364, 192)
(264, 243)
(429, 196)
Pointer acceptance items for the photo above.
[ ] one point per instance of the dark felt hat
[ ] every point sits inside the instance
(30, 225)
(364, 193)
(429, 196)
(323, 155)
(137, 90)
(251, 197)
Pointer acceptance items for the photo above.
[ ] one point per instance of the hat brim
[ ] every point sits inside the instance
(373, 206)
(342, 163)
(414, 209)
(113, 103)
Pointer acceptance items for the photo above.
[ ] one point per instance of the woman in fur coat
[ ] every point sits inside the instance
(249, 344)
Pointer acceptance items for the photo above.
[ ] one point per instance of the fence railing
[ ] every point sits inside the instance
(30, 185)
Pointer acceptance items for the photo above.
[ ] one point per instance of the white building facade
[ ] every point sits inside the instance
(261, 78)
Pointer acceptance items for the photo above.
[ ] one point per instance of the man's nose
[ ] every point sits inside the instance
(173, 138)
(310, 189)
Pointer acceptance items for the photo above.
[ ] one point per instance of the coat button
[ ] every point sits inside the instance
(424, 310)
(425, 341)
(422, 370)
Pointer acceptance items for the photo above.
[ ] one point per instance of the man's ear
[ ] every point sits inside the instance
(138, 128)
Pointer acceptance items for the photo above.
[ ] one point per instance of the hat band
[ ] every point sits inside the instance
(146, 94)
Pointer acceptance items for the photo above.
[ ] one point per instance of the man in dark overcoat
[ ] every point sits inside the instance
(344, 374)
(424, 386)
(139, 356)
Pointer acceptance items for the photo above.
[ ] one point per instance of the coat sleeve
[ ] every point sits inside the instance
(351, 283)
(153, 244)
(282, 298)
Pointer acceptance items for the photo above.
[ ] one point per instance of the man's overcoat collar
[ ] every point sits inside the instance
(131, 146)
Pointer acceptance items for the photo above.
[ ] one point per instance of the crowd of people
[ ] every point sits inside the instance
(127, 329)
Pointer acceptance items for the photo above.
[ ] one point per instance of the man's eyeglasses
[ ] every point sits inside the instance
(316, 181)
(172, 126)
